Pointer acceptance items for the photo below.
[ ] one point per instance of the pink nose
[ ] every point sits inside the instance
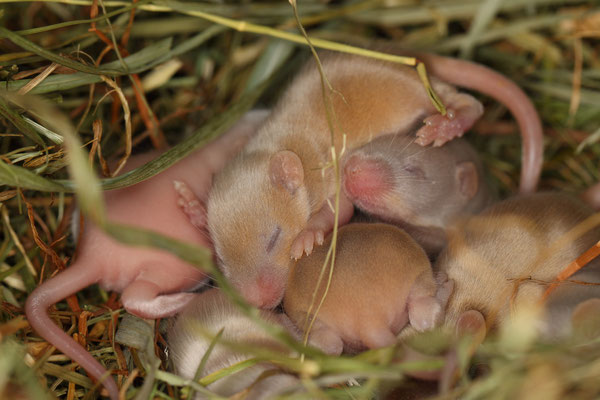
(264, 293)
(363, 178)
(270, 291)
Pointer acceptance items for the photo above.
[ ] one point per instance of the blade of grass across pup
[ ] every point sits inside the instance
(204, 359)
(87, 186)
(326, 92)
(176, 380)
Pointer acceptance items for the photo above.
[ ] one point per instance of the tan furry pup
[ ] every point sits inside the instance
(382, 280)
(500, 259)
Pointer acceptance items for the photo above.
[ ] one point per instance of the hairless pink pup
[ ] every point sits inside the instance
(272, 203)
(153, 283)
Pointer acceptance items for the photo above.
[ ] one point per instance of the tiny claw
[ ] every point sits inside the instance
(296, 252)
(320, 238)
(304, 243)
(439, 142)
(189, 203)
(421, 140)
(301, 245)
(309, 242)
(183, 190)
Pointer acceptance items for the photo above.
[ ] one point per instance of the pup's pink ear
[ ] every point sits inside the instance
(467, 179)
(286, 170)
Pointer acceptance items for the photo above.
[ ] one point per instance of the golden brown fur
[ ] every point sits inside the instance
(378, 267)
(489, 254)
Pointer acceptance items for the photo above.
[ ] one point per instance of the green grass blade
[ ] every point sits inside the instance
(88, 188)
(23, 178)
(17, 120)
(67, 62)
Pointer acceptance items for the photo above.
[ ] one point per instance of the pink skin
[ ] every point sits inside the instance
(367, 180)
(151, 281)
(265, 291)
(462, 112)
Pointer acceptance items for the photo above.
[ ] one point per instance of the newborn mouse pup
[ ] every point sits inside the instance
(421, 190)
(210, 312)
(152, 282)
(382, 280)
(508, 241)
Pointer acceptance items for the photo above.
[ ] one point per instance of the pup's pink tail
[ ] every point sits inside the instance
(61, 286)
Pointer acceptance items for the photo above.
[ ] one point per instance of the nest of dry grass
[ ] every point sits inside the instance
(146, 74)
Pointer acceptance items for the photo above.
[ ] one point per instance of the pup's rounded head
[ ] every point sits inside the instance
(257, 206)
(395, 179)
